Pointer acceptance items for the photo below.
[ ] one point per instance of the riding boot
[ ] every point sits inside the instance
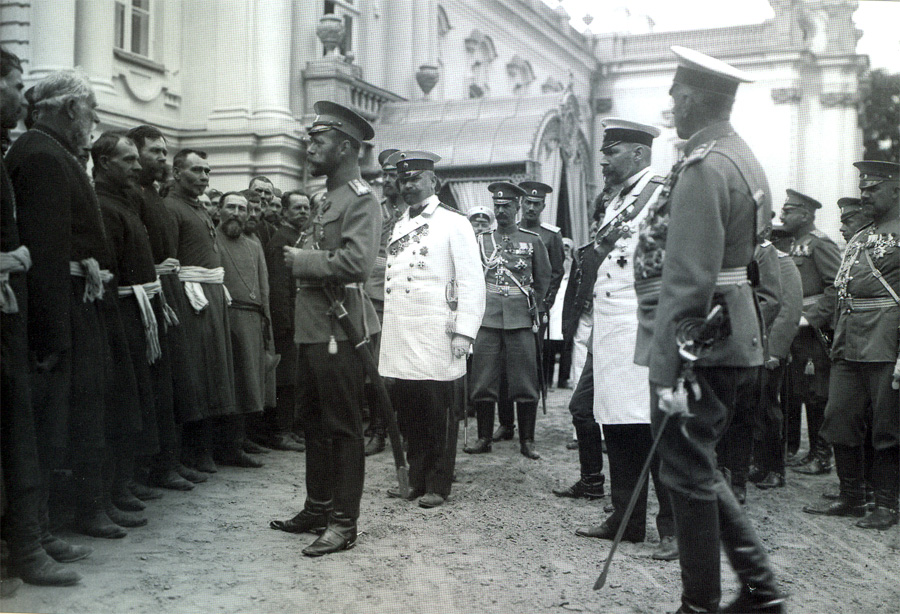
(484, 412)
(745, 552)
(697, 533)
(348, 467)
(852, 498)
(340, 535)
(527, 416)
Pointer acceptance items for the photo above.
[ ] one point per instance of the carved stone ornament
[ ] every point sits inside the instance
(838, 99)
(602, 105)
(427, 77)
(570, 119)
(331, 32)
(785, 95)
(552, 85)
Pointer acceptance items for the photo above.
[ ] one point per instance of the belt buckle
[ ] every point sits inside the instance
(505, 290)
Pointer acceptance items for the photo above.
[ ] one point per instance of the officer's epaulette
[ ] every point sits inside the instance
(550, 227)
(360, 187)
(782, 254)
(818, 233)
(699, 153)
(530, 232)
(765, 243)
(449, 208)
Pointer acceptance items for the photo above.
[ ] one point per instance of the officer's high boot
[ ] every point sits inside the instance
(506, 415)
(484, 412)
(348, 473)
(376, 442)
(697, 533)
(886, 479)
(590, 458)
(527, 415)
(852, 498)
(314, 516)
(819, 459)
(759, 593)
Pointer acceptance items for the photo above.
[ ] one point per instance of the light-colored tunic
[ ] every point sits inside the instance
(424, 255)
(621, 388)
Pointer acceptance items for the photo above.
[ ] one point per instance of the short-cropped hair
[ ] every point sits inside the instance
(59, 88)
(179, 160)
(9, 62)
(232, 193)
(105, 145)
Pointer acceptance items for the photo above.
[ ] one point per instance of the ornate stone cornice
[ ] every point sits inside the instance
(786, 95)
(838, 99)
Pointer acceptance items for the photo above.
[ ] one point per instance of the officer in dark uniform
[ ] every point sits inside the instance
(340, 251)
(694, 250)
(817, 257)
(533, 203)
(866, 370)
(517, 275)
(375, 287)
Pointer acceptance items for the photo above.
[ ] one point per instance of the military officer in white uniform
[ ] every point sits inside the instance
(434, 296)
(621, 394)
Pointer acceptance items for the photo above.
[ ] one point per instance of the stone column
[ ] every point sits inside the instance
(233, 84)
(94, 37)
(52, 37)
(272, 63)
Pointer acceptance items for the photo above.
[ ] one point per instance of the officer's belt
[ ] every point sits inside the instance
(143, 293)
(318, 285)
(867, 304)
(380, 261)
(505, 290)
(94, 277)
(809, 301)
(727, 277)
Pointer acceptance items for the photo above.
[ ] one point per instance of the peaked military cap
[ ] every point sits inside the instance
(796, 199)
(332, 116)
(383, 158)
(849, 207)
(505, 191)
(411, 163)
(617, 131)
(535, 190)
(873, 172)
(705, 72)
(479, 210)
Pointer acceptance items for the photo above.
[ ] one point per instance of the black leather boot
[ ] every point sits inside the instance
(697, 527)
(340, 535)
(312, 519)
(852, 498)
(527, 416)
(759, 592)
(484, 412)
(820, 460)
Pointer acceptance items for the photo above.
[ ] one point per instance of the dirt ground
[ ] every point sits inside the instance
(501, 544)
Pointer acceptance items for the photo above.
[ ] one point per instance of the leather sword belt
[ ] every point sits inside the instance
(727, 277)
(506, 290)
(380, 261)
(809, 301)
(867, 304)
(318, 285)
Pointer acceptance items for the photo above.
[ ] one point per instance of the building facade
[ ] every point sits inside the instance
(498, 88)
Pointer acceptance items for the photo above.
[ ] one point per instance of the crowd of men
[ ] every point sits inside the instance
(154, 328)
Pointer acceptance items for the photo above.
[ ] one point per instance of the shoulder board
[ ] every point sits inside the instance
(782, 254)
(699, 153)
(657, 179)
(529, 232)
(449, 208)
(765, 243)
(359, 187)
(550, 227)
(819, 234)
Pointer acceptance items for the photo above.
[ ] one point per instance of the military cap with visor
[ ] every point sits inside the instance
(410, 164)
(332, 116)
(616, 131)
(873, 172)
(796, 199)
(704, 72)
(849, 207)
(383, 159)
(480, 210)
(535, 190)
(504, 191)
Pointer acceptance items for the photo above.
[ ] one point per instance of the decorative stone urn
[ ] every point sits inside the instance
(331, 32)
(427, 77)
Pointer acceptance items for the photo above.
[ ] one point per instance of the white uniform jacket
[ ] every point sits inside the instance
(424, 256)
(621, 388)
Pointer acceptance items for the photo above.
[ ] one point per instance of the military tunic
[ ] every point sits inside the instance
(866, 346)
(552, 240)
(517, 275)
(340, 251)
(699, 238)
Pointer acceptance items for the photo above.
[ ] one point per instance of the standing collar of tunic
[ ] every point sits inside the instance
(710, 133)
